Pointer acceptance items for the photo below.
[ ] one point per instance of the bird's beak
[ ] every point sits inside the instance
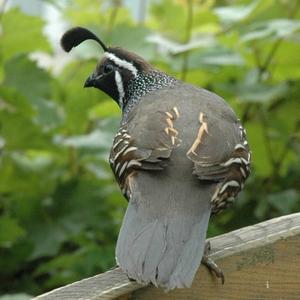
(90, 82)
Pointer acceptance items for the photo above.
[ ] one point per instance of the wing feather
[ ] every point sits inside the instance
(144, 146)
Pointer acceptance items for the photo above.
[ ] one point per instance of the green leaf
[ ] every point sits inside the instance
(172, 47)
(25, 87)
(260, 155)
(215, 57)
(104, 109)
(10, 231)
(96, 14)
(276, 29)
(33, 161)
(54, 231)
(284, 201)
(94, 140)
(132, 39)
(229, 14)
(78, 101)
(287, 62)
(20, 132)
(24, 75)
(169, 17)
(259, 92)
(23, 191)
(12, 101)
(22, 34)
(48, 113)
(204, 19)
(14, 258)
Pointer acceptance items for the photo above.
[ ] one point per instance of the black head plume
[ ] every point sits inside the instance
(75, 36)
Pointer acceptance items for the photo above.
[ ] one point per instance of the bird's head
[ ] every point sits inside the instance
(114, 71)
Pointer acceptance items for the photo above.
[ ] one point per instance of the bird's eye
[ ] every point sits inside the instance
(108, 68)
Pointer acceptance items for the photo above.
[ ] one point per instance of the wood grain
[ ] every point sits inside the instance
(260, 262)
(268, 272)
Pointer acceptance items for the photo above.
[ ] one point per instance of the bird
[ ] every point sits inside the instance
(180, 156)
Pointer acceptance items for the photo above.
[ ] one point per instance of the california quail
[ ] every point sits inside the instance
(179, 156)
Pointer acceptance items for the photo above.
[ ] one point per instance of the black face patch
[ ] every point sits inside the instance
(107, 84)
(115, 72)
(106, 72)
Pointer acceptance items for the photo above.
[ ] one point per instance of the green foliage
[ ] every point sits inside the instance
(21, 34)
(60, 208)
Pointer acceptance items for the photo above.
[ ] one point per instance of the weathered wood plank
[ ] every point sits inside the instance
(260, 262)
(268, 272)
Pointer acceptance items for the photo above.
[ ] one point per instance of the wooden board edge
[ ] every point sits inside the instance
(228, 244)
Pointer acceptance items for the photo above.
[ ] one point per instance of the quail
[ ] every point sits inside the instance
(180, 155)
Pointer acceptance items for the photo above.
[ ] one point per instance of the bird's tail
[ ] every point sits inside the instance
(166, 251)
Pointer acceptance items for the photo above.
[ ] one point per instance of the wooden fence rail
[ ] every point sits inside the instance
(260, 262)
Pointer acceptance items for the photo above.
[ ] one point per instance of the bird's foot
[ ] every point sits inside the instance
(210, 264)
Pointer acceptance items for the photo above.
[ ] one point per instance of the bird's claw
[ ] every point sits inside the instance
(210, 264)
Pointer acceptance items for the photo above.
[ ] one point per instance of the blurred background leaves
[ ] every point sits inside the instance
(60, 208)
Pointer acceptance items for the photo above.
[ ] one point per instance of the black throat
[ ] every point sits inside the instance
(140, 86)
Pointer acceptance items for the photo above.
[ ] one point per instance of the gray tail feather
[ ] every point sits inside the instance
(166, 252)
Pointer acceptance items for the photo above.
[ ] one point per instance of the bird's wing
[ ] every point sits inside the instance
(143, 145)
(220, 153)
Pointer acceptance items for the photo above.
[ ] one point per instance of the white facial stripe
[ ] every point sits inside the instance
(122, 63)
(119, 83)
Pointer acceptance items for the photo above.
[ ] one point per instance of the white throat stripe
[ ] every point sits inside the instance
(119, 84)
(122, 63)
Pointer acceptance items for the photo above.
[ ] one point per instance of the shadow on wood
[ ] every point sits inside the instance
(259, 262)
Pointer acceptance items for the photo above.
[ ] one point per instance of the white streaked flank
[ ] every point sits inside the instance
(129, 150)
(245, 161)
(239, 146)
(134, 163)
(243, 172)
(117, 167)
(120, 152)
(117, 143)
(123, 168)
(122, 63)
(232, 183)
(233, 160)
